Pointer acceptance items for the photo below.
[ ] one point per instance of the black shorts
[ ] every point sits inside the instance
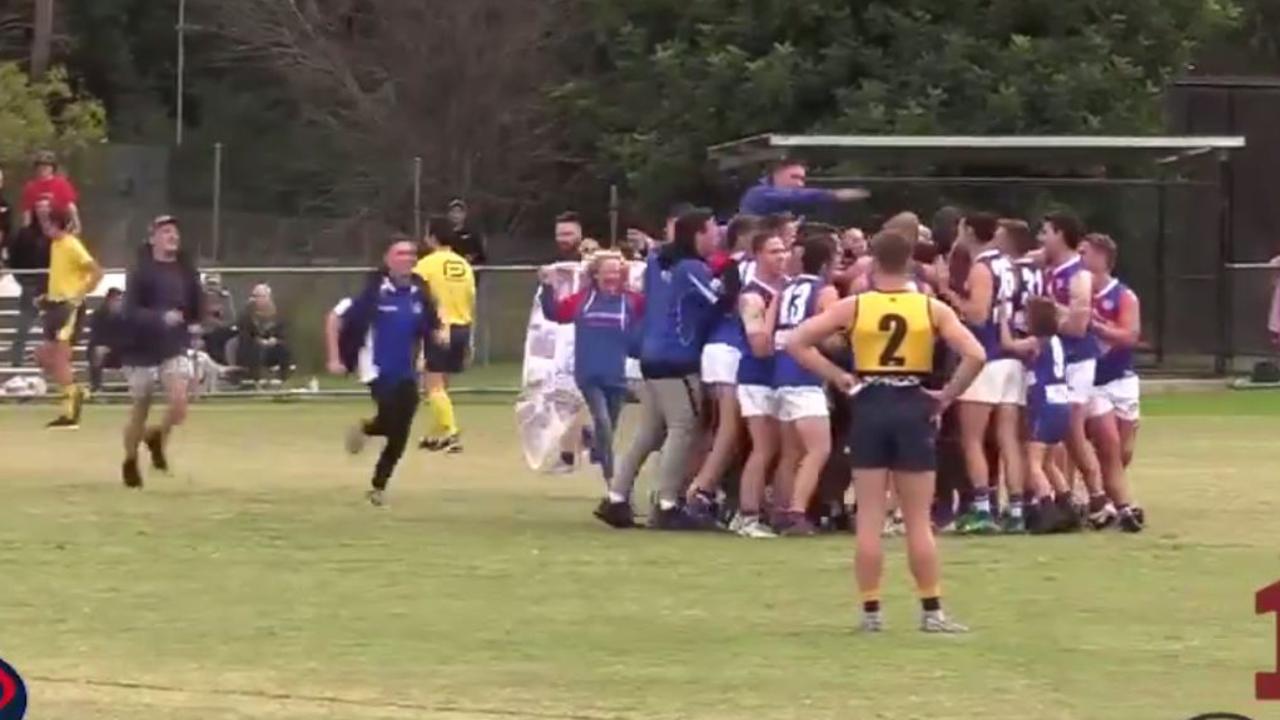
(893, 429)
(452, 359)
(61, 321)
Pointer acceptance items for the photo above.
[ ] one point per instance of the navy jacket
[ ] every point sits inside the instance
(359, 316)
(150, 341)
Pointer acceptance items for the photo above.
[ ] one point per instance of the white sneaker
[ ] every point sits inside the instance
(871, 623)
(936, 622)
(754, 528)
(376, 498)
(735, 524)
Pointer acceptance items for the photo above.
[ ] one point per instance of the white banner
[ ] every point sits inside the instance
(549, 405)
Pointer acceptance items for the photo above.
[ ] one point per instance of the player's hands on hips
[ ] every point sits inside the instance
(846, 383)
(940, 404)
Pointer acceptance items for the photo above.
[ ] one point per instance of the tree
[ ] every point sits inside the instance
(666, 78)
(456, 82)
(45, 114)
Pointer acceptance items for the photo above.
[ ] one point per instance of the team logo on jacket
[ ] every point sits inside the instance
(13, 693)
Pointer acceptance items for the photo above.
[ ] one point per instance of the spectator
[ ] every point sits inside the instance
(217, 323)
(107, 334)
(784, 191)
(29, 250)
(471, 242)
(568, 237)
(59, 189)
(641, 243)
(262, 337)
(6, 216)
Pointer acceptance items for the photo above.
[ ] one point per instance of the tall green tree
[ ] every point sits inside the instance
(663, 79)
(44, 114)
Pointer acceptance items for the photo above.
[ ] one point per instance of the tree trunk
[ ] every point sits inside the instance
(42, 38)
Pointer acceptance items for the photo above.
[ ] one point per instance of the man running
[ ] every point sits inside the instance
(892, 331)
(999, 390)
(73, 274)
(162, 305)
(379, 334)
(452, 285)
(1071, 286)
(1113, 409)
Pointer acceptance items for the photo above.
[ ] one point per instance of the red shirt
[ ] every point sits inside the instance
(57, 187)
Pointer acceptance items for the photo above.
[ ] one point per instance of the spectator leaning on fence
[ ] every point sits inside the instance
(262, 341)
(48, 181)
(471, 241)
(28, 250)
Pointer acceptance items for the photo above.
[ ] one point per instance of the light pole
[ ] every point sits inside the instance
(182, 68)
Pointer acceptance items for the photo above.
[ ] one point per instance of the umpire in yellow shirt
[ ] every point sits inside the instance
(452, 284)
(73, 274)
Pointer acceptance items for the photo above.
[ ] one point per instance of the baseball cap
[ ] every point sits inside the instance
(456, 203)
(45, 157)
(162, 220)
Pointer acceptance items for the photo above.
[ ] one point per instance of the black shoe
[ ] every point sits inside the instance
(673, 519)
(63, 423)
(129, 473)
(615, 514)
(1044, 518)
(1070, 515)
(451, 445)
(430, 444)
(1132, 520)
(154, 440)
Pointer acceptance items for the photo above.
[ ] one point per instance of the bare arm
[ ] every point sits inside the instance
(1025, 346)
(755, 320)
(332, 329)
(1127, 329)
(977, 306)
(963, 343)
(803, 344)
(1079, 311)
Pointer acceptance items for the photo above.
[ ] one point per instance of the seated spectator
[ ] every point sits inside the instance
(261, 343)
(217, 325)
(107, 333)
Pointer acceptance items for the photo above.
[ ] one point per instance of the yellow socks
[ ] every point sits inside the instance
(442, 413)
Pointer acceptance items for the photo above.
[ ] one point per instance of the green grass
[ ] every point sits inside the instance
(254, 583)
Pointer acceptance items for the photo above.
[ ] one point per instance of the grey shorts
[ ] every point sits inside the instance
(144, 379)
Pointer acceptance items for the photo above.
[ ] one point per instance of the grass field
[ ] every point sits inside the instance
(254, 583)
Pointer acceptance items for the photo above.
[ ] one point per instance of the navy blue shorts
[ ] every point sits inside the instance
(893, 429)
(452, 359)
(1049, 423)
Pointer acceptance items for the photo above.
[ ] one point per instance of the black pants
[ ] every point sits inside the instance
(255, 358)
(397, 404)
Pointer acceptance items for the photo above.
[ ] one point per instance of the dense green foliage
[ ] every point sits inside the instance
(617, 89)
(46, 114)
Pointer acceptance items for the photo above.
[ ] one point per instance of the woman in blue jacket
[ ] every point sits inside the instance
(605, 316)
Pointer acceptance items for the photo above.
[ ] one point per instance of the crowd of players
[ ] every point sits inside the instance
(776, 366)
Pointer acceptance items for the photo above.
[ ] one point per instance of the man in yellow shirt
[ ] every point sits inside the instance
(452, 284)
(73, 274)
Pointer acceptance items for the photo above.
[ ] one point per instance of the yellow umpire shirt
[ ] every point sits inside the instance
(70, 270)
(452, 283)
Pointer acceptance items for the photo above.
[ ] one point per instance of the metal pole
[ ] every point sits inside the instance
(182, 71)
(217, 199)
(41, 38)
(613, 215)
(417, 198)
(1222, 358)
(1161, 275)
